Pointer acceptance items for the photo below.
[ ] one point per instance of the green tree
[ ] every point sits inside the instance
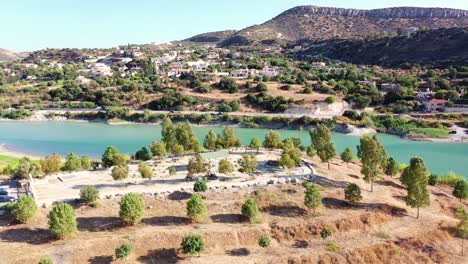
(286, 161)
(272, 140)
(462, 226)
(347, 155)
(89, 195)
(291, 155)
(210, 140)
(109, 156)
(353, 193)
(196, 165)
(145, 170)
(312, 199)
(51, 164)
(158, 149)
(392, 168)
(120, 172)
(264, 241)
(200, 186)
(373, 157)
(24, 209)
(321, 140)
(250, 210)
(325, 233)
(85, 163)
(225, 166)
(172, 170)
(310, 151)
(45, 261)
(72, 162)
(62, 220)
(248, 163)
(460, 190)
(415, 178)
(143, 154)
(255, 144)
(132, 208)
(229, 139)
(24, 168)
(168, 133)
(192, 244)
(123, 251)
(196, 208)
(177, 149)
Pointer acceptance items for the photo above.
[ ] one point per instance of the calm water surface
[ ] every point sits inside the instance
(92, 138)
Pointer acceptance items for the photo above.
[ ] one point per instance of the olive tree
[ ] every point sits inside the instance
(196, 165)
(132, 208)
(158, 149)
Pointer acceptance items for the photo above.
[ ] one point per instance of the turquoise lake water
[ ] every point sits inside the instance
(92, 138)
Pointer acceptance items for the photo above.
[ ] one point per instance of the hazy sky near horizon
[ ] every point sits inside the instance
(28, 25)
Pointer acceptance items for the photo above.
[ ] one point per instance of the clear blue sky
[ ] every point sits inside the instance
(28, 25)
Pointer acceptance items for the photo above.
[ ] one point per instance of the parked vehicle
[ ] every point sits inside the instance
(3, 192)
(4, 198)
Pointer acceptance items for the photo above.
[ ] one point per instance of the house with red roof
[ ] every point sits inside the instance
(434, 105)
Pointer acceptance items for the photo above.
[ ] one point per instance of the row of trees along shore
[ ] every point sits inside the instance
(178, 139)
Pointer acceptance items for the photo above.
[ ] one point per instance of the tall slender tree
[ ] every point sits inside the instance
(415, 177)
(321, 140)
(373, 157)
(210, 140)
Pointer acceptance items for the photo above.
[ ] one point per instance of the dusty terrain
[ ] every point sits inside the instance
(66, 185)
(381, 229)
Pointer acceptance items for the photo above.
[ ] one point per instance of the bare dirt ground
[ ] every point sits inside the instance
(381, 229)
(65, 186)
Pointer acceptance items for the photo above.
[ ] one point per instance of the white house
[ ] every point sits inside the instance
(243, 73)
(270, 71)
(100, 70)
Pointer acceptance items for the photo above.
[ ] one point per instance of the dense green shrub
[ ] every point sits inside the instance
(123, 251)
(120, 172)
(196, 208)
(264, 241)
(353, 193)
(24, 209)
(132, 208)
(200, 186)
(89, 195)
(192, 244)
(145, 170)
(62, 220)
(250, 210)
(225, 166)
